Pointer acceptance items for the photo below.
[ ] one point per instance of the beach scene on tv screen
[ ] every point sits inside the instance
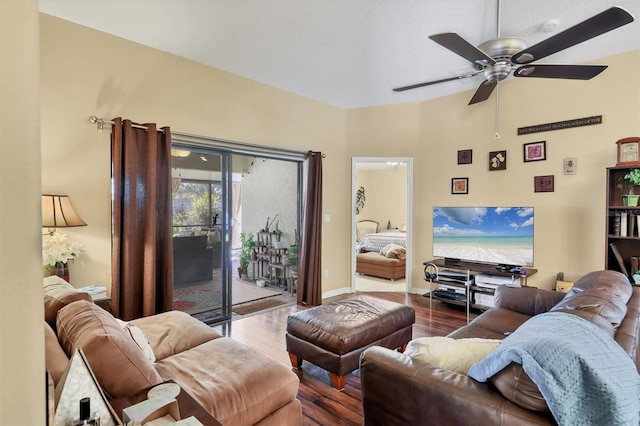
(501, 235)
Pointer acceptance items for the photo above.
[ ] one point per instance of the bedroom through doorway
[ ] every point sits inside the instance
(381, 224)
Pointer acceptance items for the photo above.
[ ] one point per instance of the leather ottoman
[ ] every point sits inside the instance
(333, 336)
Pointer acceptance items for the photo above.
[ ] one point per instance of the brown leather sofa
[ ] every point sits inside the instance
(234, 383)
(400, 390)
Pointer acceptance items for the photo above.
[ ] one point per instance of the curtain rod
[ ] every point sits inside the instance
(204, 141)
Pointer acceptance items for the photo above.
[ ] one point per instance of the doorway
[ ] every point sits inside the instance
(382, 211)
(222, 197)
(201, 196)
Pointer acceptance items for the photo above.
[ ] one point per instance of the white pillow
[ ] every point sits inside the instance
(394, 251)
(451, 354)
(138, 336)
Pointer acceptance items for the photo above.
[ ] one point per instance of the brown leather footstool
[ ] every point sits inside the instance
(333, 336)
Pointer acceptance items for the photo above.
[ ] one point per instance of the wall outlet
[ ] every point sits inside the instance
(326, 273)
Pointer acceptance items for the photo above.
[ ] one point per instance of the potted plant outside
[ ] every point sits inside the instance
(247, 244)
(630, 180)
(292, 256)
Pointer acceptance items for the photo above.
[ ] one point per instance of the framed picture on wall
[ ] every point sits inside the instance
(465, 156)
(543, 183)
(535, 151)
(460, 185)
(497, 160)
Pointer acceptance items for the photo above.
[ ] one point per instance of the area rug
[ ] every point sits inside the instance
(243, 293)
(192, 300)
(257, 306)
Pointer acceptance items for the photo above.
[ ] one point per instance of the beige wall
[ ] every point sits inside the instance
(85, 72)
(80, 77)
(569, 228)
(22, 373)
(386, 196)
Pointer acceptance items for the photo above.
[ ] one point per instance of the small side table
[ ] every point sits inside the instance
(104, 303)
(186, 404)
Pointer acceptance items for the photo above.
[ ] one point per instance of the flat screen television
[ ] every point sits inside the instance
(496, 235)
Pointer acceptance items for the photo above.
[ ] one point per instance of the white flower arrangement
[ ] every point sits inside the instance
(58, 249)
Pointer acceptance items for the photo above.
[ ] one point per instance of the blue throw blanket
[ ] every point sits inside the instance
(585, 377)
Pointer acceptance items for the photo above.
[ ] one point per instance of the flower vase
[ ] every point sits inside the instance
(62, 270)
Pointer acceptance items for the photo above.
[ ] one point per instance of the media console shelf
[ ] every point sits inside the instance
(471, 295)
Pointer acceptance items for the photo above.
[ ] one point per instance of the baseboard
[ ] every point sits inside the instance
(347, 290)
(336, 292)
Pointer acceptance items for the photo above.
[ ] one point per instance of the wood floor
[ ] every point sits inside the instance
(322, 404)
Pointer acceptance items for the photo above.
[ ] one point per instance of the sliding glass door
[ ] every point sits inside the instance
(201, 190)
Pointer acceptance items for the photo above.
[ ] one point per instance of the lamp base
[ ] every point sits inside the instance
(61, 270)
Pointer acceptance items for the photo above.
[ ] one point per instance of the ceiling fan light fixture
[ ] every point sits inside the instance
(180, 153)
(498, 72)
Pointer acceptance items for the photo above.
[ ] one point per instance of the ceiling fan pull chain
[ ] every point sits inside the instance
(497, 135)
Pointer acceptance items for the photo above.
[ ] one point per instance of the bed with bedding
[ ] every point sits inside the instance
(377, 241)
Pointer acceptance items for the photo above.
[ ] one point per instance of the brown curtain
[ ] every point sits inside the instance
(142, 257)
(309, 277)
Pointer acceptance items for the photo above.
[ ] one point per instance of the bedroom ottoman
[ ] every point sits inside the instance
(374, 264)
(333, 336)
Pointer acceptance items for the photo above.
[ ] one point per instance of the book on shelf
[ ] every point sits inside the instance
(623, 224)
(615, 225)
(619, 258)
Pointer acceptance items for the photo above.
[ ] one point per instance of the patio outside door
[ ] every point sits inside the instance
(201, 205)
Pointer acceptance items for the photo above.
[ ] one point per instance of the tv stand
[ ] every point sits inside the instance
(466, 293)
(450, 261)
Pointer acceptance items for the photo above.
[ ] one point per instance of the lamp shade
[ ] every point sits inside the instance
(57, 212)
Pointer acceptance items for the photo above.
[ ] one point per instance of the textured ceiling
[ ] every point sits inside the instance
(347, 53)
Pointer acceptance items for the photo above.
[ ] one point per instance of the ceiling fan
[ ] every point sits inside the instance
(497, 57)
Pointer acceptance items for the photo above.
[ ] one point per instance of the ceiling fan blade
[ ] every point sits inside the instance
(573, 72)
(599, 24)
(429, 83)
(483, 92)
(457, 44)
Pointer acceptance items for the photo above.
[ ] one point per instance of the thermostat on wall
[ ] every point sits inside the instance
(570, 165)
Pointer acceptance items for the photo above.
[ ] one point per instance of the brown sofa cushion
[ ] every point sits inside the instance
(600, 297)
(526, 300)
(516, 385)
(233, 382)
(55, 359)
(57, 294)
(172, 332)
(119, 365)
(603, 293)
